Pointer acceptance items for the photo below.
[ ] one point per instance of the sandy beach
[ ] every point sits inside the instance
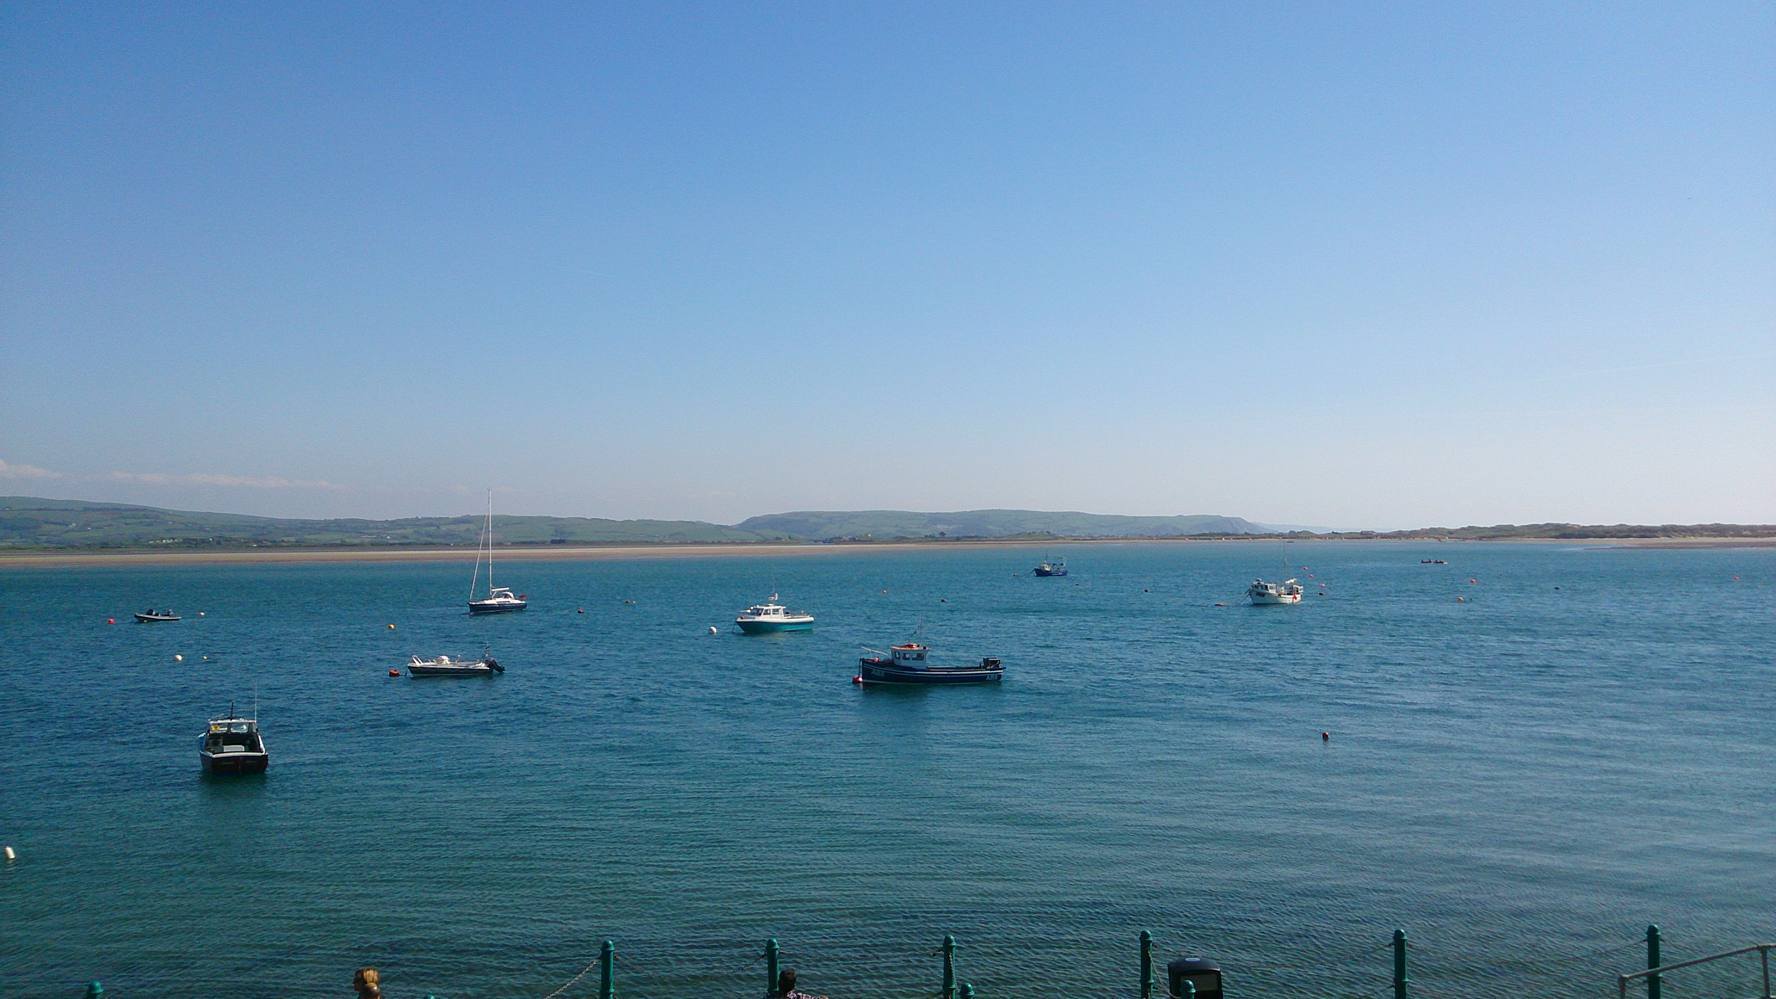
(569, 553)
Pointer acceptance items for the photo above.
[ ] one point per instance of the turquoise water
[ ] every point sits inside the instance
(1523, 780)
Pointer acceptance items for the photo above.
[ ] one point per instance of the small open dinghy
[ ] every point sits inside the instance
(156, 615)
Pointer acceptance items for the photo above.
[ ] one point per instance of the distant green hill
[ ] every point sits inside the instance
(30, 523)
(883, 525)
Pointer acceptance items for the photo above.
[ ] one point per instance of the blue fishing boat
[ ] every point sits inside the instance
(1052, 567)
(908, 664)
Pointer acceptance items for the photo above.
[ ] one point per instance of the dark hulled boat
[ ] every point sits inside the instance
(233, 746)
(1052, 567)
(908, 664)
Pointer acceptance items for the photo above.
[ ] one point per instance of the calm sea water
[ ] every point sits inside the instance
(1522, 780)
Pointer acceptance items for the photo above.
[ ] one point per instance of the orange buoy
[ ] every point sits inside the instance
(110, 620)
(394, 672)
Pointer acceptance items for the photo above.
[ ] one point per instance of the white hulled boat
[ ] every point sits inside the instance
(1265, 594)
(771, 616)
(446, 666)
(499, 599)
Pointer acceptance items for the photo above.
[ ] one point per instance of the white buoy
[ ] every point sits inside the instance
(178, 658)
(200, 613)
(10, 856)
(712, 630)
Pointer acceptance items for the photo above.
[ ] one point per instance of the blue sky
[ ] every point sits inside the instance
(1341, 264)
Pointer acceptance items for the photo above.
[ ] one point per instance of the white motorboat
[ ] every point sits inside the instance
(446, 666)
(771, 616)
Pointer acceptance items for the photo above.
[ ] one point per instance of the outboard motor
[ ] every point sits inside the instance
(1204, 974)
(493, 665)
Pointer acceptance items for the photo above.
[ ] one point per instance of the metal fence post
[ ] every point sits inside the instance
(1146, 965)
(1764, 952)
(1653, 983)
(949, 954)
(1400, 964)
(94, 990)
(771, 966)
(967, 991)
(607, 971)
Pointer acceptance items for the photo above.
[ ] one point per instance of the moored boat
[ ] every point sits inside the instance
(233, 746)
(499, 599)
(908, 664)
(149, 616)
(770, 617)
(446, 666)
(1052, 567)
(1265, 594)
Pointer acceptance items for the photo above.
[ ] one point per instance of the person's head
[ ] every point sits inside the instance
(368, 982)
(786, 981)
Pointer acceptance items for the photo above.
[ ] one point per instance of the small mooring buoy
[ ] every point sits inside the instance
(394, 672)
(200, 614)
(582, 610)
(712, 630)
(391, 626)
(178, 658)
(110, 620)
(10, 856)
(1325, 737)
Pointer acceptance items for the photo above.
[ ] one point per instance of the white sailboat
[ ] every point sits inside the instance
(499, 599)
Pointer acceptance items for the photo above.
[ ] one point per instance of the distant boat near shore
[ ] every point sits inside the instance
(499, 599)
(1263, 594)
(1052, 567)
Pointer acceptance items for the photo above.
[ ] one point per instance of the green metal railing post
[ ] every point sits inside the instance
(1146, 965)
(607, 971)
(771, 966)
(949, 953)
(1189, 989)
(1400, 980)
(1653, 960)
(94, 990)
(967, 991)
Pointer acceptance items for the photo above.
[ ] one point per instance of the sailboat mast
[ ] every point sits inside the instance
(490, 541)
